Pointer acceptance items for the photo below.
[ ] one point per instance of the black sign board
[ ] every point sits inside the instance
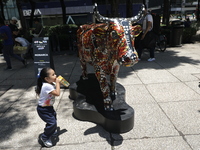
(42, 54)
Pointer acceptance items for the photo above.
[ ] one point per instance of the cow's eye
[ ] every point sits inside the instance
(114, 35)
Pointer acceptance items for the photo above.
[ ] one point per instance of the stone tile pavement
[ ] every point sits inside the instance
(164, 94)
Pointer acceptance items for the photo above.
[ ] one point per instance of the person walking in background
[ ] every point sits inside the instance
(147, 37)
(6, 35)
(187, 23)
(47, 90)
(37, 31)
(13, 26)
(22, 41)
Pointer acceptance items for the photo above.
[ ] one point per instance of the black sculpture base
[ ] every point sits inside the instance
(88, 106)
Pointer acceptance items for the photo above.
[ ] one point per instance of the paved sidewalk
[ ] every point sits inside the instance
(164, 94)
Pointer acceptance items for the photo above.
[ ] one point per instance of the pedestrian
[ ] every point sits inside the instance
(187, 22)
(48, 86)
(147, 37)
(6, 36)
(37, 31)
(14, 27)
(22, 41)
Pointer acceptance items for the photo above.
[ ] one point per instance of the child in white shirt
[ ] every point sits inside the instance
(48, 86)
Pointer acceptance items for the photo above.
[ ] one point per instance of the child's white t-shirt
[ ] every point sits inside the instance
(46, 99)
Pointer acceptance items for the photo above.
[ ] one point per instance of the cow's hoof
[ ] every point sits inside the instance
(108, 105)
(113, 95)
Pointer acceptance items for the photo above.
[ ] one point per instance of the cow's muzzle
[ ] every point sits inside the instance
(129, 60)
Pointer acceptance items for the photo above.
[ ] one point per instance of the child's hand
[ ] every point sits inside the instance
(57, 80)
(56, 92)
(63, 81)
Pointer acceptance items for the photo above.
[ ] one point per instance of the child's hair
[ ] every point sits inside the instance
(44, 73)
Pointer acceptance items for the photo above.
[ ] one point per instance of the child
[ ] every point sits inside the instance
(47, 92)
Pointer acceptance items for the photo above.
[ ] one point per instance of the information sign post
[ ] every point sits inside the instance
(42, 54)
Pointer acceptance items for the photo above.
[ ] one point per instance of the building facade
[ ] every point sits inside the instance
(81, 11)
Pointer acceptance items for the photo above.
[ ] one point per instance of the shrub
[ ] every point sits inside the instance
(65, 34)
(188, 33)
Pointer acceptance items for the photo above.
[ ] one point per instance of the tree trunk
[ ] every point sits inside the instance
(62, 3)
(129, 8)
(166, 12)
(114, 8)
(21, 16)
(144, 2)
(32, 13)
(94, 1)
(2, 12)
(198, 11)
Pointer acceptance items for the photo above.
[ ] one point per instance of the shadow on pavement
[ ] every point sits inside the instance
(101, 134)
(55, 139)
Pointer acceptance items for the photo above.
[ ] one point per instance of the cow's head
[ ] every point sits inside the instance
(120, 36)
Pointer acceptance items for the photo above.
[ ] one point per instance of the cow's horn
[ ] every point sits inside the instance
(99, 17)
(106, 19)
(138, 16)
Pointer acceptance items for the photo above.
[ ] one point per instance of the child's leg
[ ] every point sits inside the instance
(48, 115)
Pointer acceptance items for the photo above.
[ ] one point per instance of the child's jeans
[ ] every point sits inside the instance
(48, 115)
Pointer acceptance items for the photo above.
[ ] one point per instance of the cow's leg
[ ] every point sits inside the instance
(101, 77)
(113, 79)
(84, 69)
(113, 93)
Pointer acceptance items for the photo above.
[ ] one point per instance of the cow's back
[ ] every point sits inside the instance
(87, 36)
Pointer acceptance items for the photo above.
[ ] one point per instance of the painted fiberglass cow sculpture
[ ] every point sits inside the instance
(106, 46)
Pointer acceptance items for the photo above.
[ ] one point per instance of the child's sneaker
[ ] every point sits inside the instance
(47, 143)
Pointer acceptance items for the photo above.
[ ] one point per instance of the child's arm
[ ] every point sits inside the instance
(56, 92)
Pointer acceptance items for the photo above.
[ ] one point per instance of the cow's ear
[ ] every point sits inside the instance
(136, 30)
